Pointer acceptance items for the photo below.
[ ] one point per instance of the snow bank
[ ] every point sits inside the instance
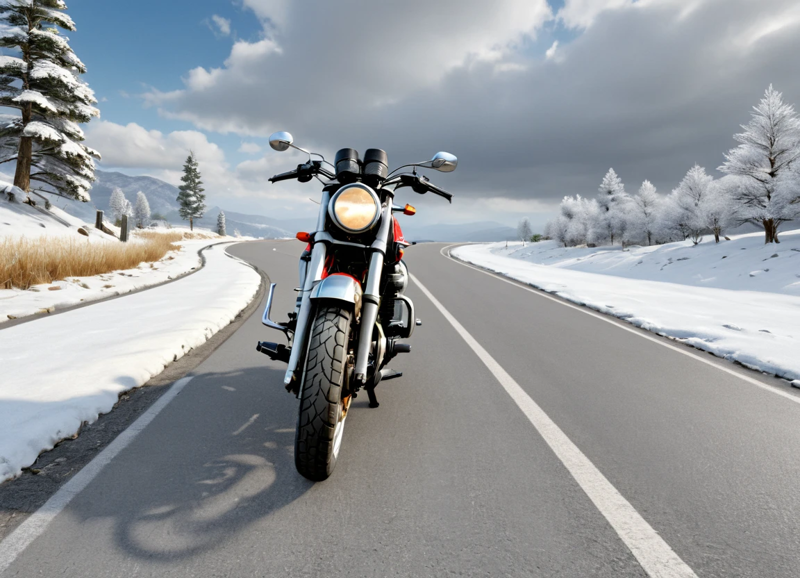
(63, 370)
(736, 300)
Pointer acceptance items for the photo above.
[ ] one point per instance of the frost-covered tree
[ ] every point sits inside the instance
(575, 222)
(613, 203)
(768, 149)
(524, 231)
(716, 208)
(141, 212)
(118, 204)
(643, 215)
(687, 199)
(221, 224)
(191, 198)
(41, 80)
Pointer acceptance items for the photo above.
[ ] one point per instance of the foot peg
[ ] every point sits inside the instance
(387, 373)
(401, 347)
(275, 351)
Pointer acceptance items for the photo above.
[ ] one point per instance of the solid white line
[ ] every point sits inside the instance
(653, 553)
(615, 322)
(30, 529)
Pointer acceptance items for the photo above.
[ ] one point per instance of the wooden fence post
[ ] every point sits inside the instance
(98, 222)
(123, 231)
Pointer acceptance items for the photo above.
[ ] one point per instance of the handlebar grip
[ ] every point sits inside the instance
(284, 177)
(437, 191)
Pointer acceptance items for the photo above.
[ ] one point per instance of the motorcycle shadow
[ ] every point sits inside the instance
(216, 461)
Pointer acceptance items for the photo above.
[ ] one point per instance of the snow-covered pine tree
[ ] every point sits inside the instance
(141, 211)
(118, 204)
(42, 82)
(221, 224)
(191, 198)
(716, 209)
(770, 146)
(643, 214)
(688, 196)
(524, 231)
(613, 202)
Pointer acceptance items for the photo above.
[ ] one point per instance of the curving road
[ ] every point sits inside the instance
(527, 438)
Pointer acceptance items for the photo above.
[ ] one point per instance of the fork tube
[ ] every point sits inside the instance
(371, 299)
(313, 275)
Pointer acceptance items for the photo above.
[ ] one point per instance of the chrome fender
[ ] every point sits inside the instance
(339, 287)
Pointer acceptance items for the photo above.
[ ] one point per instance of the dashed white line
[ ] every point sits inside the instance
(16, 542)
(654, 555)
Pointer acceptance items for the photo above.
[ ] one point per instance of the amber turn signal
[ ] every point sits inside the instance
(409, 210)
(304, 237)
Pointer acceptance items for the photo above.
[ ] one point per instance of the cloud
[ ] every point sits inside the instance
(220, 26)
(551, 52)
(649, 87)
(249, 148)
(137, 150)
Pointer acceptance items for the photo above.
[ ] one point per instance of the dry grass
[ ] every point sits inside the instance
(26, 262)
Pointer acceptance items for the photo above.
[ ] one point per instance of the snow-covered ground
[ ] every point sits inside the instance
(21, 220)
(739, 300)
(63, 370)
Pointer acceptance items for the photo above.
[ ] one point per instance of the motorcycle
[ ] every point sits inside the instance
(351, 311)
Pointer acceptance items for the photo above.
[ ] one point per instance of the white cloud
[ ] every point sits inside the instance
(221, 26)
(250, 148)
(551, 52)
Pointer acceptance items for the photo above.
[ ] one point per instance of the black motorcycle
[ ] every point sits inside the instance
(351, 311)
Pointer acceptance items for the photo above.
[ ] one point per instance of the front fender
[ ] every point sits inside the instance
(339, 287)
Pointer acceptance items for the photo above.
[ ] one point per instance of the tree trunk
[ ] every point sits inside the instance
(770, 231)
(191, 224)
(716, 234)
(22, 178)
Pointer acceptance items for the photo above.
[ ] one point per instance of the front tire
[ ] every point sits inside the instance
(320, 423)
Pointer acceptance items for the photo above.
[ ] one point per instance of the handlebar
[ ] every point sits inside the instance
(304, 173)
(419, 183)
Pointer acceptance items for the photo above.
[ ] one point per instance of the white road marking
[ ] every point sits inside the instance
(652, 552)
(247, 424)
(33, 527)
(615, 321)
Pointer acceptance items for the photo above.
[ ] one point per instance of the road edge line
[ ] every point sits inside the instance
(655, 556)
(617, 322)
(16, 542)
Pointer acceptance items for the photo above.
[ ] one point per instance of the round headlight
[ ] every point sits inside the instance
(355, 208)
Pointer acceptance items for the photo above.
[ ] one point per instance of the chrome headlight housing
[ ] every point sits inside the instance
(355, 208)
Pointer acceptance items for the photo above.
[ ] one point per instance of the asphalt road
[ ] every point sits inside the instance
(448, 476)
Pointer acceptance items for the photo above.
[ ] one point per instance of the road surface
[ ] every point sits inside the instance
(450, 475)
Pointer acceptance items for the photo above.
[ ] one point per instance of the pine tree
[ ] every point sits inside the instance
(643, 214)
(42, 83)
(141, 212)
(221, 224)
(690, 193)
(191, 197)
(118, 204)
(613, 202)
(769, 149)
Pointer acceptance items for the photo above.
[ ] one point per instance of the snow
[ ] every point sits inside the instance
(738, 299)
(13, 62)
(18, 220)
(42, 131)
(35, 97)
(95, 353)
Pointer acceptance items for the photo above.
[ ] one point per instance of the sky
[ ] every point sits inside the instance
(537, 98)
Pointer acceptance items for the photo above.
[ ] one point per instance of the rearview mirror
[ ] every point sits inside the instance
(280, 141)
(444, 162)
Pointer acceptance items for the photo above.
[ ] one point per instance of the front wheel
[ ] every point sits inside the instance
(322, 410)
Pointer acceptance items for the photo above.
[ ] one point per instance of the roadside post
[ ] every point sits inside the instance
(123, 231)
(98, 221)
